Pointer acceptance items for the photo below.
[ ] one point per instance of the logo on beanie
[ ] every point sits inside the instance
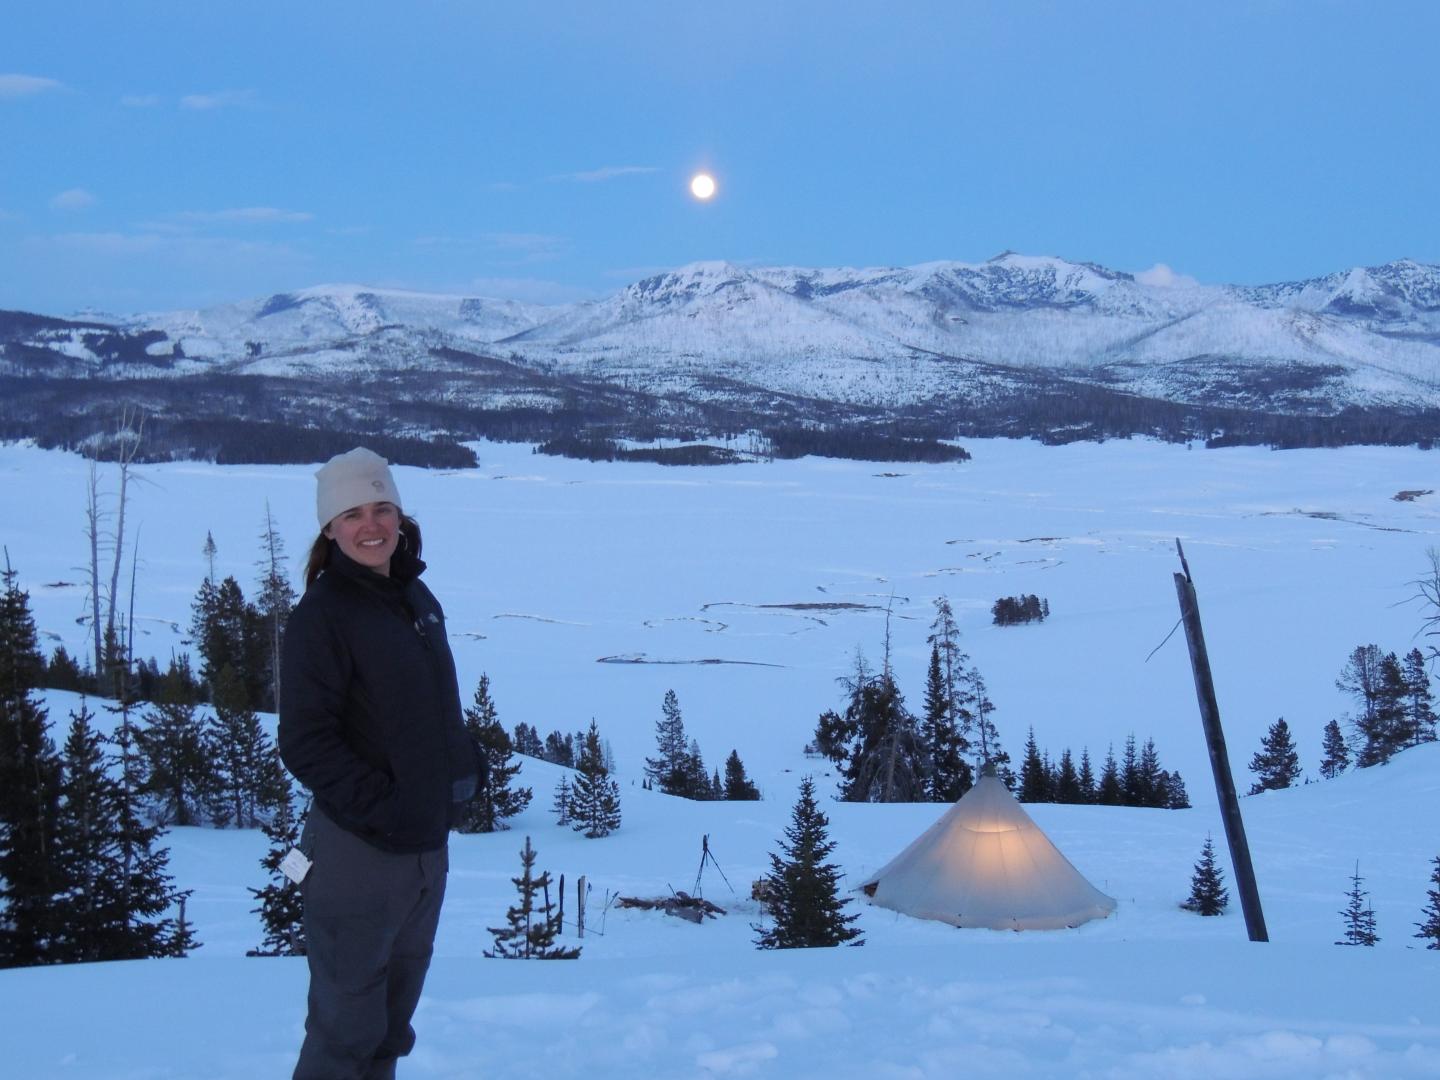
(378, 485)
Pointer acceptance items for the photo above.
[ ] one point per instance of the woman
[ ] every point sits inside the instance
(370, 723)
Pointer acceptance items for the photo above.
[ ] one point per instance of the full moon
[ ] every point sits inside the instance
(702, 185)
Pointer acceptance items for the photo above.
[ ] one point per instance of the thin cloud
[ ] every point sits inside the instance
(527, 247)
(606, 172)
(249, 215)
(1161, 276)
(202, 250)
(74, 199)
(13, 85)
(140, 101)
(220, 99)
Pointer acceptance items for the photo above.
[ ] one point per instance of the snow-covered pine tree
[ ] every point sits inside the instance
(1358, 915)
(282, 904)
(530, 930)
(1430, 928)
(738, 786)
(563, 805)
(1208, 895)
(1067, 781)
(1276, 764)
(803, 890)
(670, 768)
(29, 789)
(1336, 751)
(497, 799)
(595, 805)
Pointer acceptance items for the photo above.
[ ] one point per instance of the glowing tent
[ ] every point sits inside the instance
(986, 864)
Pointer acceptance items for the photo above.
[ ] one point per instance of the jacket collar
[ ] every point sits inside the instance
(404, 568)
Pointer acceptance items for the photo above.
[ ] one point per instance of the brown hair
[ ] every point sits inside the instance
(320, 550)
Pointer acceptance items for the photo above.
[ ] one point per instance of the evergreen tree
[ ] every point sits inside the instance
(1430, 928)
(697, 778)
(1208, 895)
(1276, 764)
(947, 773)
(559, 750)
(1176, 797)
(246, 781)
(1131, 780)
(29, 790)
(738, 786)
(228, 630)
(274, 600)
(142, 868)
(717, 786)
(595, 806)
(282, 904)
(496, 799)
(1151, 778)
(530, 930)
(803, 887)
(1419, 705)
(671, 769)
(1034, 780)
(85, 899)
(1110, 791)
(1086, 777)
(876, 742)
(563, 804)
(527, 741)
(1067, 781)
(178, 773)
(1385, 732)
(1359, 917)
(63, 673)
(1337, 753)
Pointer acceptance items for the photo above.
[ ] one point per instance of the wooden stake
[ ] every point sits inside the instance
(1219, 756)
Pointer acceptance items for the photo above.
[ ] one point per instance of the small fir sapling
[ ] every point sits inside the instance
(1430, 928)
(1208, 895)
(1358, 915)
(531, 929)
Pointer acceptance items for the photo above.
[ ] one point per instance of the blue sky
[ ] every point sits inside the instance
(162, 155)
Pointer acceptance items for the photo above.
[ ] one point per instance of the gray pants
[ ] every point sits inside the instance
(370, 919)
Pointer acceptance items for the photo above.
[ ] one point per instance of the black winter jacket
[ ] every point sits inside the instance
(370, 716)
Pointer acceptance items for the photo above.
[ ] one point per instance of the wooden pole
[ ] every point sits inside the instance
(580, 903)
(1219, 756)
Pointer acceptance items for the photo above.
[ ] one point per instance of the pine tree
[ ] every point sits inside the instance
(1034, 780)
(1276, 764)
(1176, 797)
(1151, 778)
(245, 782)
(1208, 895)
(1385, 732)
(1359, 918)
(1110, 791)
(1086, 778)
(1419, 706)
(697, 778)
(947, 773)
(228, 630)
(29, 790)
(497, 799)
(1430, 928)
(527, 741)
(178, 772)
(1337, 753)
(595, 806)
(274, 600)
(282, 904)
(559, 750)
(803, 887)
(671, 768)
(530, 930)
(738, 786)
(142, 868)
(1067, 781)
(85, 897)
(563, 805)
(1131, 782)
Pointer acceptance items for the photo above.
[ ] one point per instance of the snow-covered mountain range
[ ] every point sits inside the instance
(939, 342)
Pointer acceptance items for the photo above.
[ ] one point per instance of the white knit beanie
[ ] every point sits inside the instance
(354, 479)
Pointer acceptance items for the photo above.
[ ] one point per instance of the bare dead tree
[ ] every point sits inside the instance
(92, 534)
(129, 433)
(1427, 592)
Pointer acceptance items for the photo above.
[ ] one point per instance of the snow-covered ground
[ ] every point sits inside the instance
(548, 566)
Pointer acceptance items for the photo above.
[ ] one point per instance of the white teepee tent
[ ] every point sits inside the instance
(985, 863)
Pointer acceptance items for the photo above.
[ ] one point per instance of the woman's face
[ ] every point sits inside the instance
(368, 534)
